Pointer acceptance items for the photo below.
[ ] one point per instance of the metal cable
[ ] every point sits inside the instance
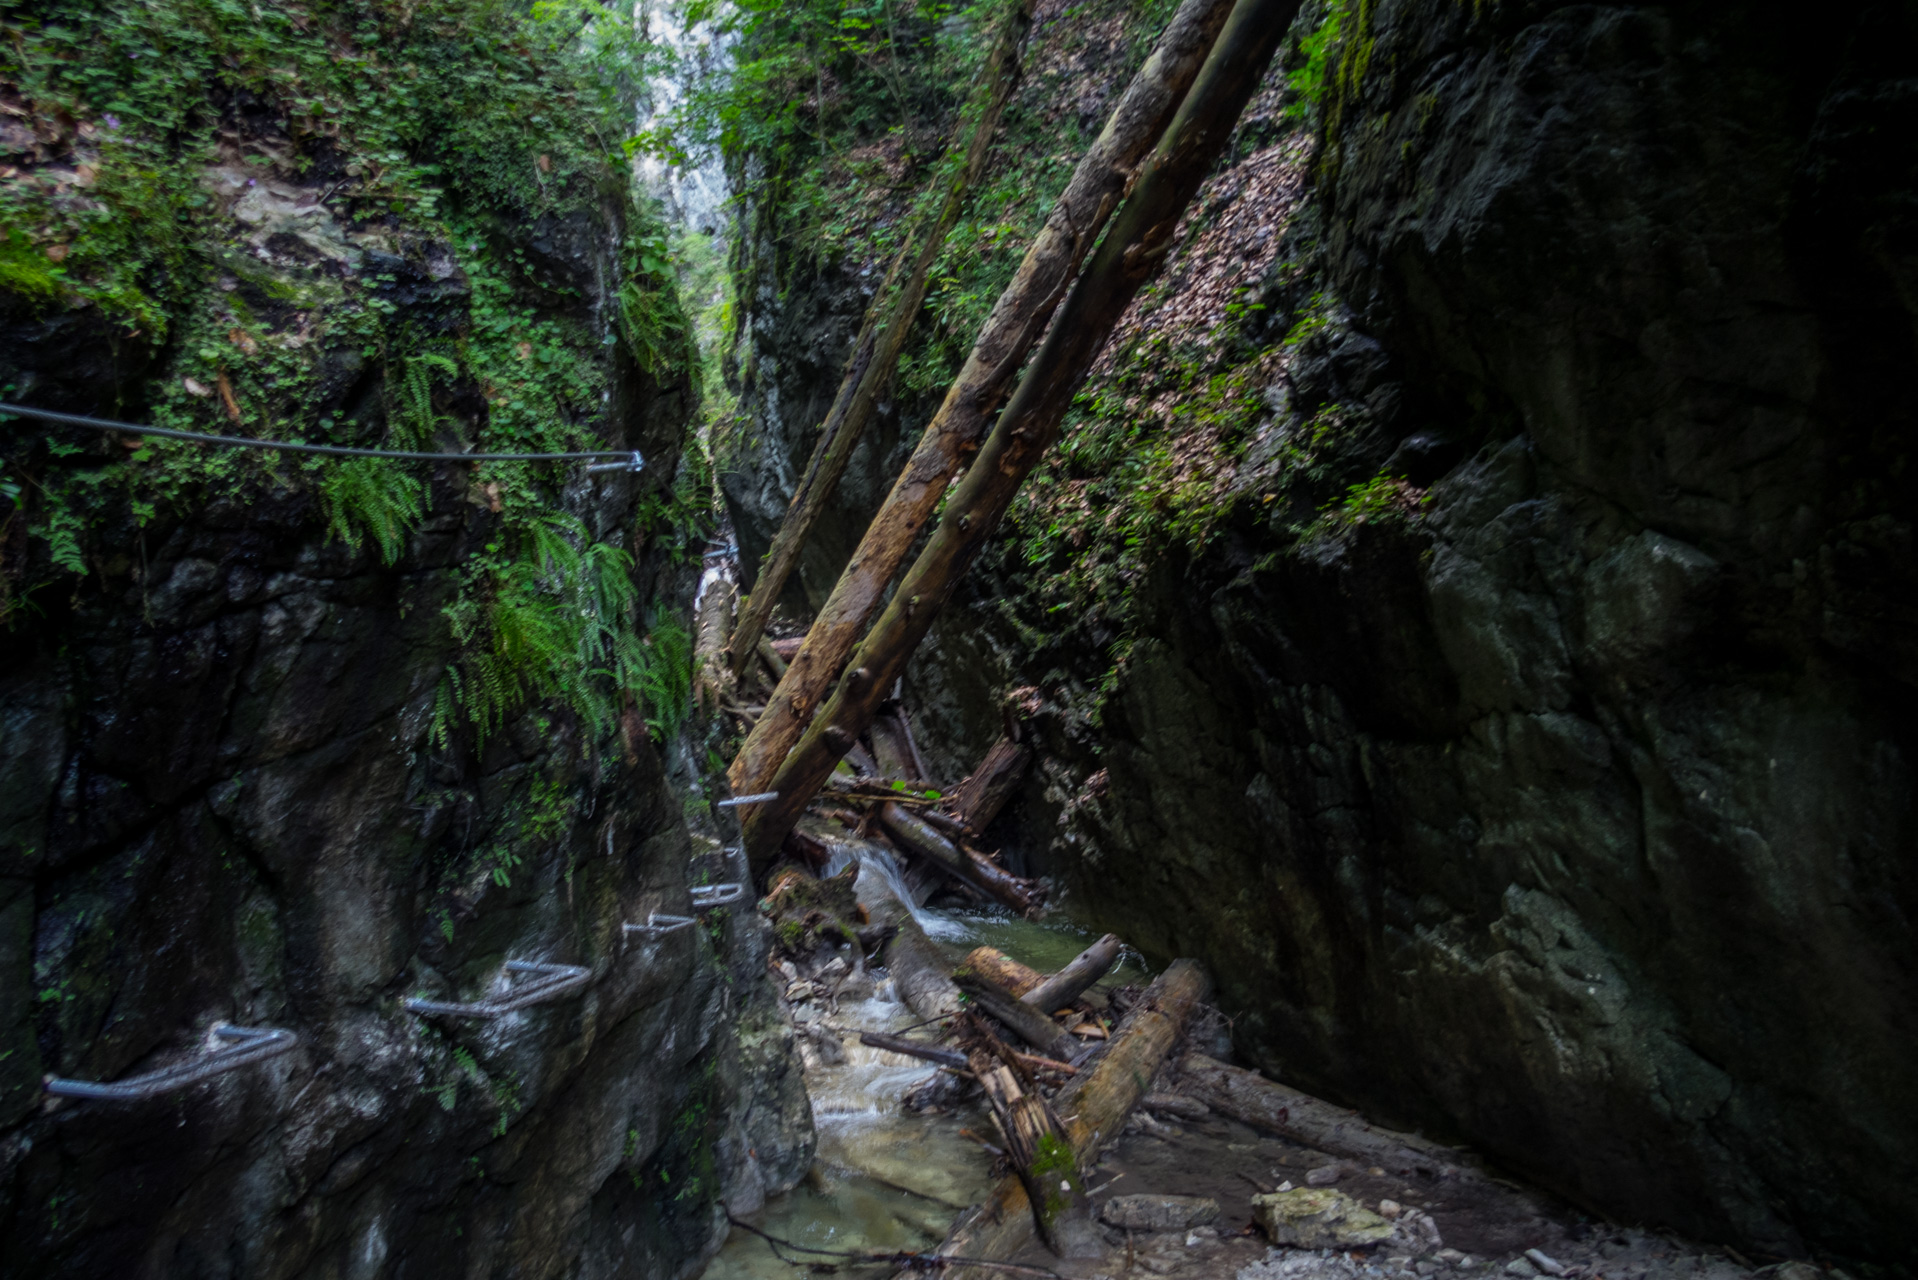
(554, 981)
(255, 1044)
(631, 460)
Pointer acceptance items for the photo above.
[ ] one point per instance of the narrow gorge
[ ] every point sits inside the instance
(1223, 638)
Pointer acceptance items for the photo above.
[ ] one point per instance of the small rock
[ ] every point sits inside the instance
(786, 967)
(1313, 1219)
(1416, 1233)
(798, 992)
(1449, 1255)
(1790, 1271)
(1544, 1263)
(1323, 1176)
(1285, 1186)
(834, 968)
(1521, 1268)
(1426, 1267)
(1158, 1213)
(1390, 1208)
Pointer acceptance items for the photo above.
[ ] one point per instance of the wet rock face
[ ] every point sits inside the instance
(221, 801)
(1576, 817)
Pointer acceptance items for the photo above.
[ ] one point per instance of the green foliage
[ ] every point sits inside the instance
(1308, 83)
(375, 498)
(557, 620)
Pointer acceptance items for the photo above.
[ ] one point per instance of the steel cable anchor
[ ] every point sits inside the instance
(253, 1044)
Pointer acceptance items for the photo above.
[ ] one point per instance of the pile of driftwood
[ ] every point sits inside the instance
(886, 794)
(1059, 1079)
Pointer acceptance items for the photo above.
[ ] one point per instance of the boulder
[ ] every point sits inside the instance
(1313, 1218)
(1159, 1213)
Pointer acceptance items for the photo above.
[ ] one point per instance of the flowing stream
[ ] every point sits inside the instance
(885, 1178)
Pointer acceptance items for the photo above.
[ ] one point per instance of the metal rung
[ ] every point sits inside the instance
(716, 895)
(634, 463)
(253, 1044)
(658, 925)
(555, 981)
(761, 798)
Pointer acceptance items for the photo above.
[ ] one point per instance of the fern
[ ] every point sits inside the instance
(369, 497)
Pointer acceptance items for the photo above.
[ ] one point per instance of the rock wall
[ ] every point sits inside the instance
(1560, 802)
(233, 789)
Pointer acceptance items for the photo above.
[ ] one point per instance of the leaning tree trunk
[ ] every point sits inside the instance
(1140, 238)
(876, 354)
(1017, 318)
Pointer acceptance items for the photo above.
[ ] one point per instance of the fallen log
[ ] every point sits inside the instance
(1041, 1156)
(978, 799)
(1265, 1104)
(921, 969)
(1139, 239)
(1095, 1106)
(713, 683)
(896, 759)
(1026, 1022)
(915, 1049)
(1018, 317)
(1065, 986)
(920, 837)
(1006, 972)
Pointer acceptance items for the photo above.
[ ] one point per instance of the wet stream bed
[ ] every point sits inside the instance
(889, 1179)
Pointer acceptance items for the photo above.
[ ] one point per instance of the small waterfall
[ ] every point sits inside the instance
(935, 923)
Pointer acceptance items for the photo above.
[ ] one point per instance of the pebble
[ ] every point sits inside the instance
(1323, 1176)
(1544, 1263)
(1390, 1208)
(1521, 1268)
(1158, 1213)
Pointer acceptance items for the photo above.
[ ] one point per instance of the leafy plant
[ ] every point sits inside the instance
(375, 498)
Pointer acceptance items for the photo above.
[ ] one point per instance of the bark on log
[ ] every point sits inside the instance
(978, 800)
(1140, 237)
(915, 1049)
(1096, 1104)
(1016, 321)
(1041, 1156)
(1016, 978)
(877, 354)
(713, 677)
(1065, 986)
(920, 837)
(1265, 1104)
(1026, 1022)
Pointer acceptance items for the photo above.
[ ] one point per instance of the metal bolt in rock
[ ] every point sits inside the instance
(252, 1044)
(555, 980)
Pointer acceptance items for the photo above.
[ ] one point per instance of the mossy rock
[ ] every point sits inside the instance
(1311, 1218)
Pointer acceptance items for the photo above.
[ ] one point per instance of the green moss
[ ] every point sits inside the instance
(1053, 1165)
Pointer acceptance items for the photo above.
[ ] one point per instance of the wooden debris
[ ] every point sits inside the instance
(917, 836)
(978, 800)
(713, 683)
(1040, 1152)
(1026, 1022)
(1065, 986)
(1017, 979)
(915, 1049)
(1249, 1097)
(1096, 1105)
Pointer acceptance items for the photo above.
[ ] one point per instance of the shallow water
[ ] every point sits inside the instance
(885, 1179)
